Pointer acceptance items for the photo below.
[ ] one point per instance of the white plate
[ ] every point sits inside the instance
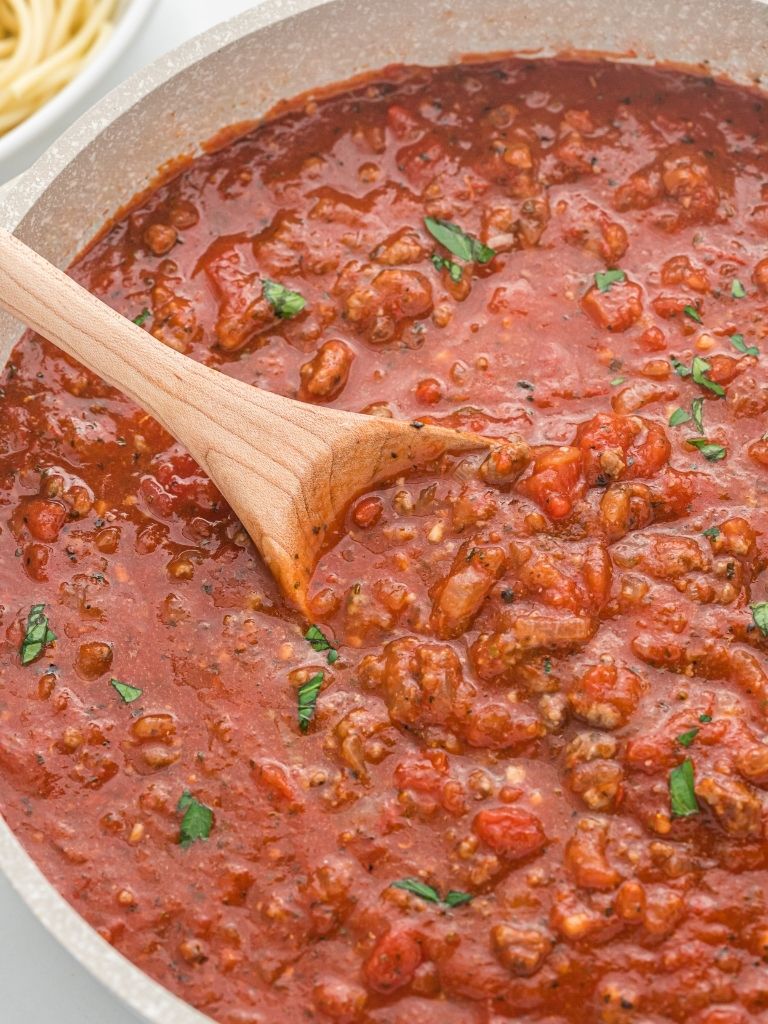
(23, 144)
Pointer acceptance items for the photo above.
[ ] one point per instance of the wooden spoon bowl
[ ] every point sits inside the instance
(288, 469)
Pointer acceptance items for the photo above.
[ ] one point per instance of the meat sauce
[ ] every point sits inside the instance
(518, 768)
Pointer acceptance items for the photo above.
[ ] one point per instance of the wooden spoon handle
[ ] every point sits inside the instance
(46, 299)
(200, 406)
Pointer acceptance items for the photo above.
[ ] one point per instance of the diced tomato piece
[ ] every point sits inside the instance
(45, 518)
(511, 832)
(393, 961)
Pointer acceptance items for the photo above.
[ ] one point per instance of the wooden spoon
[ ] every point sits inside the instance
(288, 469)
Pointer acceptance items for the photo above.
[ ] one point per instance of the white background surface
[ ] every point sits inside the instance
(39, 982)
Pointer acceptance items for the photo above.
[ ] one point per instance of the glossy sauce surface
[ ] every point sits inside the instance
(543, 658)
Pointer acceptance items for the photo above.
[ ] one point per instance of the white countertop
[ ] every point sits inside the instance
(39, 982)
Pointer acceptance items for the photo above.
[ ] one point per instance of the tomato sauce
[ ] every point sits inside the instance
(518, 769)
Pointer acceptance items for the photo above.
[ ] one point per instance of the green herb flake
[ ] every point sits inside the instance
(142, 318)
(711, 452)
(680, 368)
(285, 303)
(197, 821)
(685, 739)
(760, 616)
(458, 242)
(697, 414)
(319, 642)
(737, 340)
(547, 666)
(617, 380)
(441, 263)
(418, 888)
(682, 794)
(737, 289)
(679, 416)
(455, 898)
(128, 693)
(604, 279)
(704, 719)
(693, 313)
(712, 532)
(307, 700)
(37, 636)
(699, 369)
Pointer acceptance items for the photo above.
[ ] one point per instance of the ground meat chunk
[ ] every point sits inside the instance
(380, 304)
(586, 855)
(506, 462)
(590, 228)
(736, 805)
(748, 397)
(458, 598)
(324, 377)
(606, 694)
(522, 948)
(403, 247)
(510, 224)
(621, 447)
(422, 683)
(616, 309)
(244, 312)
(497, 654)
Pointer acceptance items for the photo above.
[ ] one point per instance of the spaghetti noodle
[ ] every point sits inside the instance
(44, 44)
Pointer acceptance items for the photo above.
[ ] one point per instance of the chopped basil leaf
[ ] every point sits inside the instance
(679, 416)
(37, 636)
(284, 302)
(705, 718)
(697, 413)
(465, 246)
(713, 532)
(454, 898)
(319, 642)
(685, 739)
(760, 616)
(682, 794)
(737, 340)
(616, 381)
(128, 693)
(547, 666)
(197, 821)
(699, 368)
(308, 700)
(418, 888)
(737, 289)
(693, 313)
(711, 452)
(680, 368)
(317, 639)
(605, 278)
(142, 318)
(441, 263)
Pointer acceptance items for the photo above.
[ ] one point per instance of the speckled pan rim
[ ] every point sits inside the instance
(153, 1003)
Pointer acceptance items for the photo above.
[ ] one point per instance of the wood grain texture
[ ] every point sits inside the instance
(288, 469)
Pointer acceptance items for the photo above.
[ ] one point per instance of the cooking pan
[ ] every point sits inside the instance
(238, 72)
